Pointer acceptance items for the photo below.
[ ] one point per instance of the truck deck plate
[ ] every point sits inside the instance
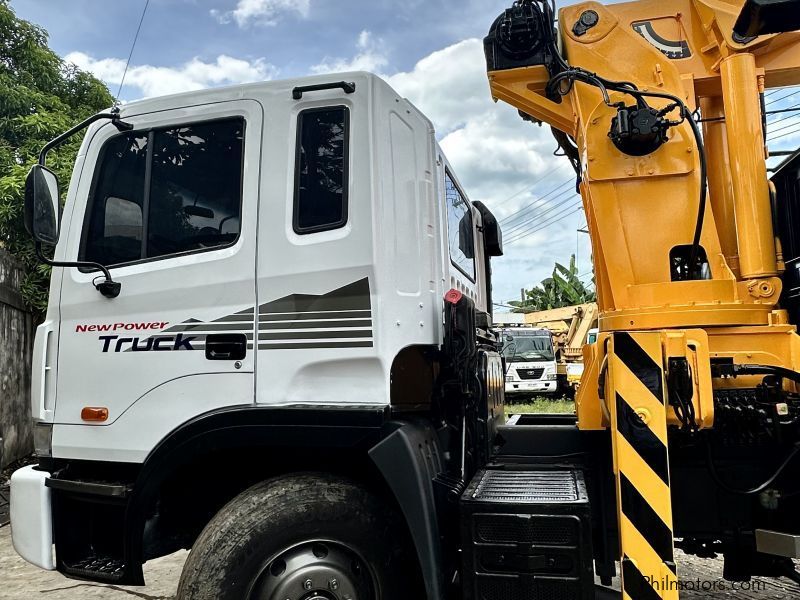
(529, 487)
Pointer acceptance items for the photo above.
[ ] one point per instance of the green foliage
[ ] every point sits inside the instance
(562, 288)
(541, 405)
(40, 97)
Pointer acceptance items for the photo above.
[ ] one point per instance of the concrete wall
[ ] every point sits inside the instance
(16, 345)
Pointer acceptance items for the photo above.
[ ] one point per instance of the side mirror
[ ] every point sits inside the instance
(492, 235)
(42, 209)
(466, 239)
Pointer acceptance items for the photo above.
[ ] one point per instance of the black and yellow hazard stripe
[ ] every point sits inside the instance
(641, 463)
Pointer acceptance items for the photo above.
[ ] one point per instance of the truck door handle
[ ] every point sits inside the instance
(226, 346)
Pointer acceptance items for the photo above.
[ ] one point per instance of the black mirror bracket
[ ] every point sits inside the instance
(113, 116)
(108, 287)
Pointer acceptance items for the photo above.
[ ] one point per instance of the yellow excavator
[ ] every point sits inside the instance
(659, 106)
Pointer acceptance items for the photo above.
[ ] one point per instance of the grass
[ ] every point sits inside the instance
(540, 405)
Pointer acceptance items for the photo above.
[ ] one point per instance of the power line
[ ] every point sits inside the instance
(791, 109)
(539, 214)
(576, 208)
(559, 216)
(521, 308)
(537, 201)
(544, 223)
(537, 208)
(777, 137)
(774, 100)
(553, 222)
(787, 126)
(525, 189)
(782, 119)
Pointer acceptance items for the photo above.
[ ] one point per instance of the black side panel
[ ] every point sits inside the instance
(527, 534)
(787, 221)
(409, 460)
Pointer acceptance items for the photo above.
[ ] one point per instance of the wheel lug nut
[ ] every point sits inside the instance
(308, 584)
(333, 585)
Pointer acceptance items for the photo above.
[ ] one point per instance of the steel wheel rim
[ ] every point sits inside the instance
(315, 570)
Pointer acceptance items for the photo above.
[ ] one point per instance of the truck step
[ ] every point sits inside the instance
(527, 535)
(96, 568)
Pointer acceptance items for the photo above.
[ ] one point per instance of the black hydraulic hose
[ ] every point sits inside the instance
(701, 207)
(756, 490)
(754, 369)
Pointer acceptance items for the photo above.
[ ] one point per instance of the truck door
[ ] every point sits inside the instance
(171, 207)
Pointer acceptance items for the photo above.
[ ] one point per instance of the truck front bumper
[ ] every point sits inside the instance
(531, 387)
(32, 517)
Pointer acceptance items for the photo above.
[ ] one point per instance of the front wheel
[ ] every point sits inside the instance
(303, 537)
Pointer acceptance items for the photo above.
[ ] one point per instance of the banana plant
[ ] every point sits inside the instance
(563, 288)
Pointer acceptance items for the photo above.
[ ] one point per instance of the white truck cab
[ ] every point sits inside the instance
(248, 282)
(530, 361)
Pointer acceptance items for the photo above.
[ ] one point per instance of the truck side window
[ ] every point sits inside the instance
(459, 228)
(321, 169)
(167, 191)
(115, 232)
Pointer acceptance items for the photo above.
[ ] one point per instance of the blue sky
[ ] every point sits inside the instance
(429, 50)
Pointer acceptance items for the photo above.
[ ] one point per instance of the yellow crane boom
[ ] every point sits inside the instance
(660, 108)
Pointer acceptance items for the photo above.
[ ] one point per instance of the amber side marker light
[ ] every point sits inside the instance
(94, 413)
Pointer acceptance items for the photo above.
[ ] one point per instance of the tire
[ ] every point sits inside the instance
(283, 535)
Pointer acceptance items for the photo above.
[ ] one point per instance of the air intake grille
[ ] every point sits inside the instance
(517, 529)
(530, 373)
(528, 487)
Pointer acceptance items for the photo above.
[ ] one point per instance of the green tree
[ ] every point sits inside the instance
(562, 288)
(40, 97)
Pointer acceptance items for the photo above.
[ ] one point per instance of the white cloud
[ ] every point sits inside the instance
(370, 56)
(193, 75)
(261, 12)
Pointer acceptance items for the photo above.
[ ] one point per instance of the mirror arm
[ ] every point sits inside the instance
(57, 141)
(109, 288)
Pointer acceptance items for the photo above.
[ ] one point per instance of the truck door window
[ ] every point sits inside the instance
(320, 196)
(459, 228)
(167, 191)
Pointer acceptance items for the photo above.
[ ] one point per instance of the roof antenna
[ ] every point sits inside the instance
(115, 108)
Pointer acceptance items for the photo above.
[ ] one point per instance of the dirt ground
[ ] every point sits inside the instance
(21, 581)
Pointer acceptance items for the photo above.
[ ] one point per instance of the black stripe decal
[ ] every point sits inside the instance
(642, 439)
(241, 318)
(646, 520)
(213, 327)
(300, 316)
(314, 335)
(354, 296)
(636, 585)
(640, 363)
(317, 324)
(306, 346)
